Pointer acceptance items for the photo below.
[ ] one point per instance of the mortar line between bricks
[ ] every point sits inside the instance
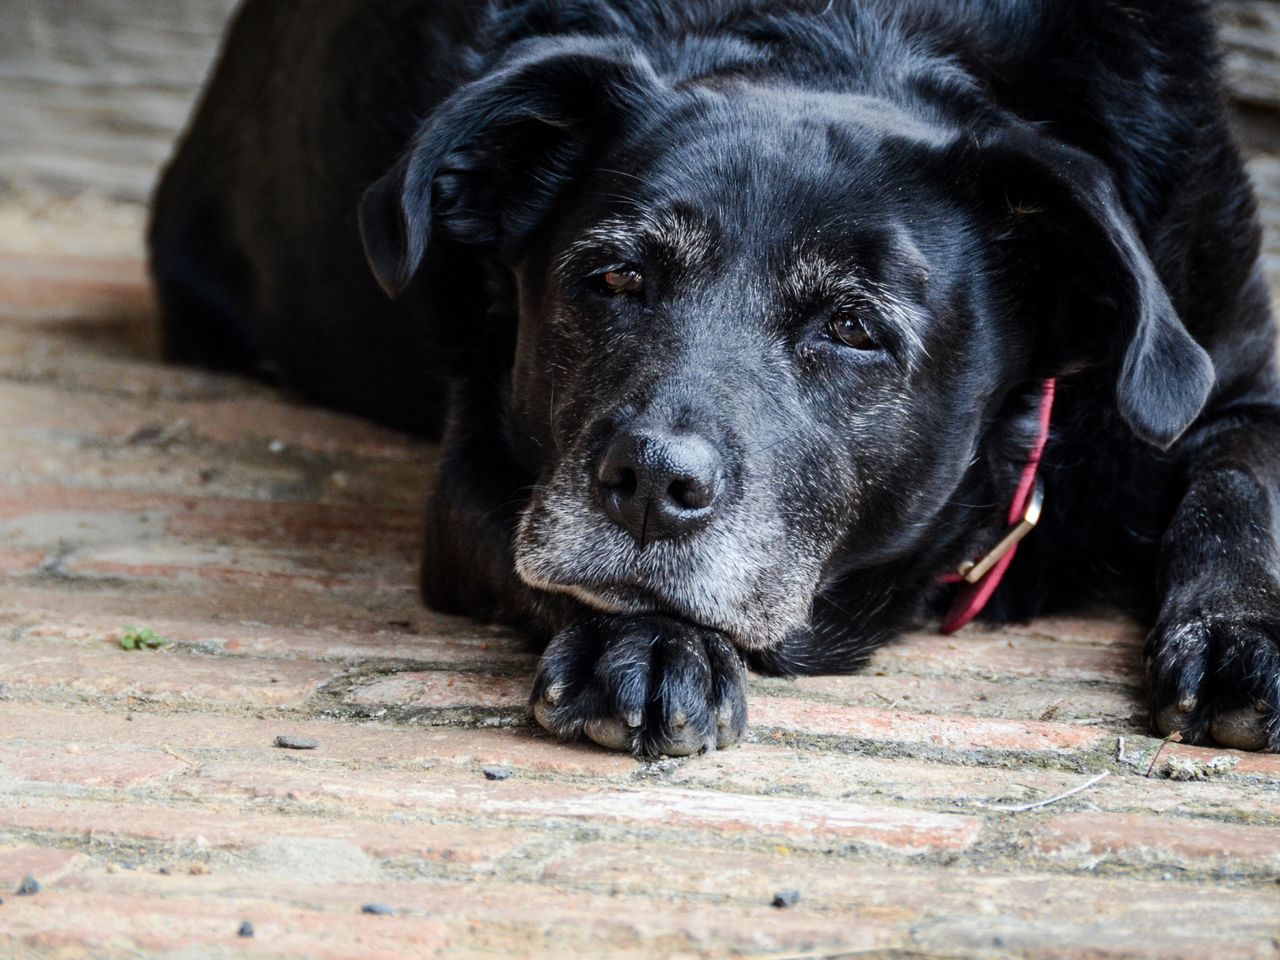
(640, 779)
(645, 778)
(328, 706)
(997, 856)
(481, 718)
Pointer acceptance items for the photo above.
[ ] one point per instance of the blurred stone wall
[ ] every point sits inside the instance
(93, 92)
(1251, 35)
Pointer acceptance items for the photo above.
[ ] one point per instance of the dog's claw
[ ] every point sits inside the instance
(542, 712)
(1172, 720)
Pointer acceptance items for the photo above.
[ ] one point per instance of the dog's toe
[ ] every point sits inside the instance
(1175, 718)
(1244, 729)
(682, 742)
(611, 733)
(544, 712)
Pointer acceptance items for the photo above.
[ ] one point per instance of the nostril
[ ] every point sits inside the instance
(624, 482)
(691, 494)
(618, 478)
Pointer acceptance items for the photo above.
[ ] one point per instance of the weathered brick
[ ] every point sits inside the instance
(1264, 766)
(899, 726)
(177, 562)
(1006, 652)
(46, 865)
(176, 829)
(21, 561)
(136, 602)
(85, 762)
(651, 900)
(238, 420)
(496, 920)
(366, 746)
(1175, 841)
(62, 285)
(443, 640)
(977, 790)
(36, 515)
(437, 690)
(164, 676)
(901, 829)
(251, 419)
(440, 640)
(109, 924)
(1001, 697)
(956, 912)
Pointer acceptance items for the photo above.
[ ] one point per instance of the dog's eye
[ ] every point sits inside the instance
(849, 330)
(622, 281)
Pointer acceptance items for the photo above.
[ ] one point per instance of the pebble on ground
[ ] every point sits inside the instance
(297, 743)
(29, 887)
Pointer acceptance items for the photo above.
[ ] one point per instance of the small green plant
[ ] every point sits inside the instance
(144, 639)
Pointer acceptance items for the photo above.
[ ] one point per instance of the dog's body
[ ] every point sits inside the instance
(744, 310)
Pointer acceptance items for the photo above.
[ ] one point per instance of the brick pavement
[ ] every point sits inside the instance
(274, 546)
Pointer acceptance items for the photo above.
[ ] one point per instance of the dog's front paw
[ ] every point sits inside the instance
(647, 685)
(1215, 670)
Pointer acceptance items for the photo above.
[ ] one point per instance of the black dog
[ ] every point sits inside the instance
(743, 311)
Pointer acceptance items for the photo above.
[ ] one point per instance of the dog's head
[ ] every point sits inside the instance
(762, 334)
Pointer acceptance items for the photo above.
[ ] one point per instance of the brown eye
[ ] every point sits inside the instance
(848, 329)
(622, 281)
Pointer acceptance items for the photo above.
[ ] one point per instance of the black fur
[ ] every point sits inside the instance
(980, 194)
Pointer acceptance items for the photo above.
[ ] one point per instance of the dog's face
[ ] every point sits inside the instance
(760, 334)
(771, 300)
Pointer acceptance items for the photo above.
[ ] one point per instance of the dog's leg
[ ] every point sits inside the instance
(1214, 655)
(477, 492)
(200, 279)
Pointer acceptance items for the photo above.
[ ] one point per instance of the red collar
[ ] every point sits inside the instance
(981, 577)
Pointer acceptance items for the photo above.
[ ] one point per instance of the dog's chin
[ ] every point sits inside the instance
(746, 629)
(739, 577)
(623, 600)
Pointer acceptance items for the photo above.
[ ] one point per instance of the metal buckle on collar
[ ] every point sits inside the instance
(973, 571)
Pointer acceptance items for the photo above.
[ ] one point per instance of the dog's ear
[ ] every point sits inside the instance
(1075, 259)
(497, 151)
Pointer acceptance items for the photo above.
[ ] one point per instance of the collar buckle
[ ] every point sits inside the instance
(973, 571)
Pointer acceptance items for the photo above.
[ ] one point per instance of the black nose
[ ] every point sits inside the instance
(659, 486)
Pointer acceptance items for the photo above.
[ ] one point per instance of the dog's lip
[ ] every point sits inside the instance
(634, 599)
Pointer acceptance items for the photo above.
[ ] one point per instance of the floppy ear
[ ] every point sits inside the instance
(512, 136)
(1080, 262)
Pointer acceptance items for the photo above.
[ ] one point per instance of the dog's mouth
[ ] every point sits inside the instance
(633, 600)
(738, 578)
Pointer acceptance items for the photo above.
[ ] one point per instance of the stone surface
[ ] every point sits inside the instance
(1251, 36)
(145, 791)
